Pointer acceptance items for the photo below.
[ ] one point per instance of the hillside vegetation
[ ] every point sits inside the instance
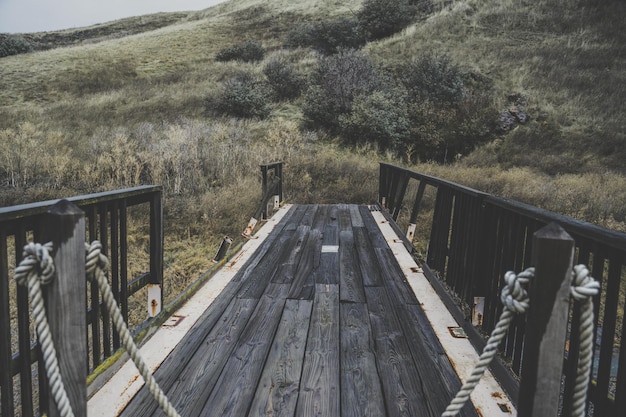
(521, 99)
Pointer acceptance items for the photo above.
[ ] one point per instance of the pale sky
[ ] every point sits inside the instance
(23, 16)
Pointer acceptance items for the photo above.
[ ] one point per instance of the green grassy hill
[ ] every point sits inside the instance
(133, 102)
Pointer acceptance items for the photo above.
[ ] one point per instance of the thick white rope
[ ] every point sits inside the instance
(96, 267)
(515, 299)
(583, 288)
(35, 269)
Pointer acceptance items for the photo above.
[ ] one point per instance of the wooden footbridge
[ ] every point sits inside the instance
(325, 312)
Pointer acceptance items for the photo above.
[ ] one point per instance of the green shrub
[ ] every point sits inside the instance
(382, 18)
(433, 78)
(247, 51)
(282, 78)
(242, 96)
(13, 45)
(380, 117)
(329, 36)
(336, 81)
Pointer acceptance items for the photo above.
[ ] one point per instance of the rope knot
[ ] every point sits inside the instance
(36, 260)
(584, 286)
(95, 259)
(514, 295)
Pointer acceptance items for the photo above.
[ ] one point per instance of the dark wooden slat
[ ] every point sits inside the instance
(393, 277)
(350, 279)
(320, 385)
(402, 387)
(304, 282)
(6, 376)
(255, 285)
(277, 392)
(608, 332)
(355, 216)
(370, 271)
(361, 391)
(194, 384)
(288, 263)
(23, 323)
(343, 216)
(376, 238)
(237, 384)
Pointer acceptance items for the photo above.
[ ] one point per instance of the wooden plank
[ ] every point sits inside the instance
(288, 263)
(366, 259)
(198, 378)
(237, 383)
(319, 386)
(376, 238)
(394, 278)
(277, 391)
(6, 376)
(255, 285)
(328, 272)
(350, 279)
(402, 386)
(361, 391)
(304, 281)
(355, 216)
(343, 216)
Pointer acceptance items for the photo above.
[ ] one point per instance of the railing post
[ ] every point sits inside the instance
(155, 287)
(542, 367)
(66, 302)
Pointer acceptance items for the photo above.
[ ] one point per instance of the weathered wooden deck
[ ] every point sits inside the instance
(319, 321)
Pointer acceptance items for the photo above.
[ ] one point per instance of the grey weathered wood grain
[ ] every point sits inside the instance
(196, 381)
(319, 388)
(402, 386)
(361, 391)
(237, 383)
(277, 391)
(350, 278)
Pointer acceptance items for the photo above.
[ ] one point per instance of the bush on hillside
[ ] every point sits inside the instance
(282, 78)
(336, 81)
(380, 117)
(247, 51)
(242, 96)
(382, 18)
(434, 78)
(328, 36)
(13, 45)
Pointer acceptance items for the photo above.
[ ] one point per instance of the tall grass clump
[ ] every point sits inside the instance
(13, 45)
(246, 51)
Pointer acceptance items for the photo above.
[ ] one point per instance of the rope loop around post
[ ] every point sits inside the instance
(36, 260)
(583, 289)
(95, 260)
(37, 268)
(514, 295)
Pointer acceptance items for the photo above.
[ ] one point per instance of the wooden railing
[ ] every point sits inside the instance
(107, 217)
(476, 237)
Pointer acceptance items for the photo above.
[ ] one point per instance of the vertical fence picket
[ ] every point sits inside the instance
(6, 376)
